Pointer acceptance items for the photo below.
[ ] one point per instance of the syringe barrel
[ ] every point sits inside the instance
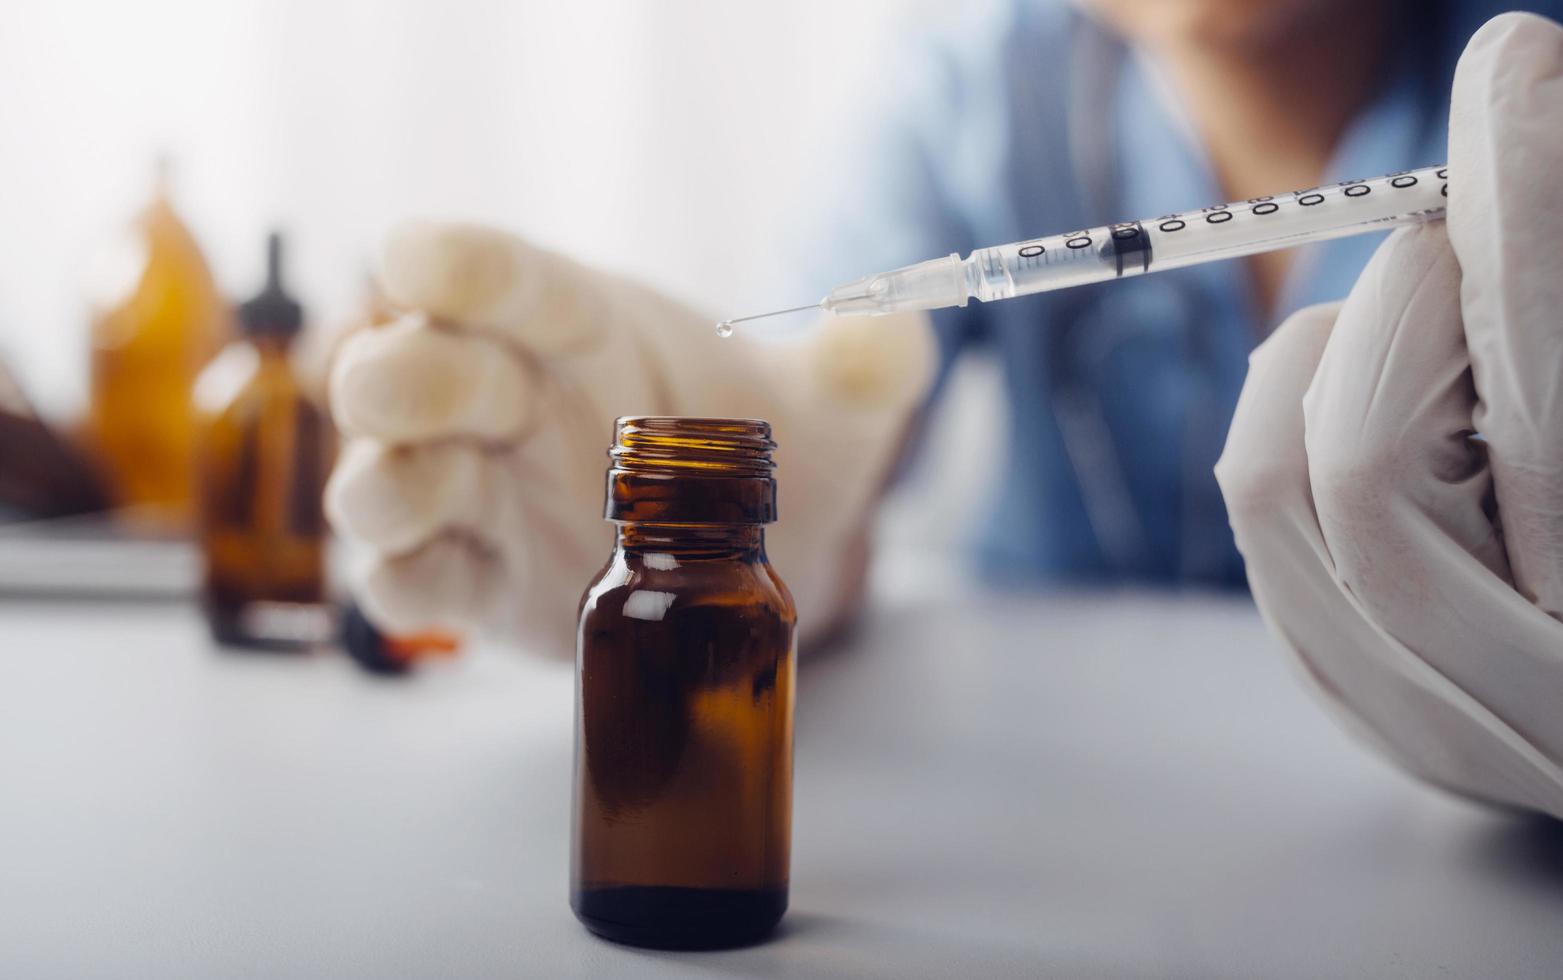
(1224, 231)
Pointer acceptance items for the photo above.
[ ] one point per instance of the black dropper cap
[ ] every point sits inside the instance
(272, 311)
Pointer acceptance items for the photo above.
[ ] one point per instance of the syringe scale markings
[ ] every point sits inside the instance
(1132, 248)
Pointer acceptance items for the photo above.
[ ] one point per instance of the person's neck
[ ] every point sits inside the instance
(1276, 112)
(1271, 116)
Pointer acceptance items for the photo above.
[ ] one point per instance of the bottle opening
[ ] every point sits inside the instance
(676, 470)
(706, 446)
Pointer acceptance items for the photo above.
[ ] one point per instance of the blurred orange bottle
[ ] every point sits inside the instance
(150, 338)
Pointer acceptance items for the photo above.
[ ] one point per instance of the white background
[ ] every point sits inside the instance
(670, 139)
(664, 138)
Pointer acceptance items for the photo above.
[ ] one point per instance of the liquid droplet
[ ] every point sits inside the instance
(724, 329)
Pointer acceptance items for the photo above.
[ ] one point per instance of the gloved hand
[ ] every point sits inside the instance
(478, 425)
(1414, 567)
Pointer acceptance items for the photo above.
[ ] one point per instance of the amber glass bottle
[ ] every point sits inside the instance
(685, 666)
(261, 461)
(159, 322)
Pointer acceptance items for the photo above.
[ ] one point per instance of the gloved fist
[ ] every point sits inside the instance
(1394, 473)
(478, 424)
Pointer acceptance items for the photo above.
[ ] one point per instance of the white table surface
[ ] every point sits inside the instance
(1071, 786)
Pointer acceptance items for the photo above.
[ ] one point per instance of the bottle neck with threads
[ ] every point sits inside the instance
(695, 488)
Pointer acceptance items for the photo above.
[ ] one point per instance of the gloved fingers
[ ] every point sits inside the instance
(450, 582)
(1263, 469)
(395, 498)
(1403, 497)
(410, 381)
(1389, 412)
(497, 522)
(491, 281)
(1381, 692)
(1263, 474)
(1505, 220)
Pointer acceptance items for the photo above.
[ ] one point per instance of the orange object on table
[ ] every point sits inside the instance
(159, 322)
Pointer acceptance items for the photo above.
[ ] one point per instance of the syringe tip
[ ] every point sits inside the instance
(725, 328)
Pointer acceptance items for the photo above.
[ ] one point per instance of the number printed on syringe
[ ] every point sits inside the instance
(1132, 248)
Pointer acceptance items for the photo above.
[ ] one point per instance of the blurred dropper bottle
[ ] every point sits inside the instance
(261, 450)
(155, 321)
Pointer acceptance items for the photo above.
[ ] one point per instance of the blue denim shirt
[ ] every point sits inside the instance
(1028, 120)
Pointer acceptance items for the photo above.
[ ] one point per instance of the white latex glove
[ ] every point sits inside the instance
(479, 424)
(1418, 574)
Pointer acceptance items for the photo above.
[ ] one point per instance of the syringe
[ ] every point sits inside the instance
(1227, 231)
